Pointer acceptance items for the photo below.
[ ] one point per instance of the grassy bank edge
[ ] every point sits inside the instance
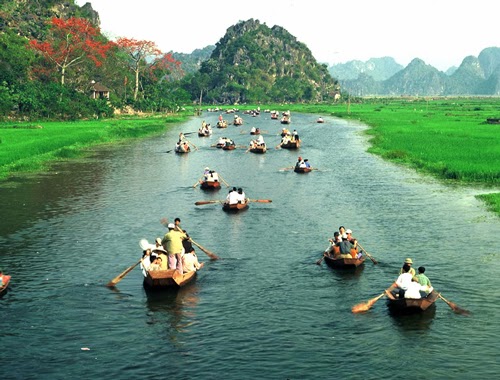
(97, 133)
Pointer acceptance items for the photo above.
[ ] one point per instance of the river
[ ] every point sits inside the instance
(265, 310)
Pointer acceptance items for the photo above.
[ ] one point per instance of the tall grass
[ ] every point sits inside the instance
(28, 147)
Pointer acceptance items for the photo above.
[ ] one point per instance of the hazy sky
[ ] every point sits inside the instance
(440, 32)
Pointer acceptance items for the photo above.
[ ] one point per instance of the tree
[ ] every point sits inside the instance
(71, 42)
(139, 51)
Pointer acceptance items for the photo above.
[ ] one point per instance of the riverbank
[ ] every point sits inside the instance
(29, 147)
(447, 138)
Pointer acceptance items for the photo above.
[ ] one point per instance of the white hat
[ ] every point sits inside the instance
(159, 249)
(171, 226)
(158, 240)
(348, 231)
(207, 168)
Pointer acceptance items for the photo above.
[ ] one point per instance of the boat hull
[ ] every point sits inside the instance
(302, 170)
(258, 150)
(341, 263)
(407, 306)
(167, 279)
(236, 207)
(291, 145)
(210, 185)
(4, 287)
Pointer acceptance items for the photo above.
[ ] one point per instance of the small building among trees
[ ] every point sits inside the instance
(99, 91)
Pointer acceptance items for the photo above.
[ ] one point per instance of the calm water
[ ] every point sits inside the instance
(265, 310)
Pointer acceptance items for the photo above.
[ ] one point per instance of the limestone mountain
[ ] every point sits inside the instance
(253, 62)
(378, 68)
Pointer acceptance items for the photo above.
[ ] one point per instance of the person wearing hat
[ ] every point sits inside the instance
(172, 241)
(162, 259)
(408, 262)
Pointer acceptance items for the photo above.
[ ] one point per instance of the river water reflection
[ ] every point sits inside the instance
(265, 310)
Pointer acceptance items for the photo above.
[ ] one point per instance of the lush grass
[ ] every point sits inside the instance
(28, 147)
(448, 138)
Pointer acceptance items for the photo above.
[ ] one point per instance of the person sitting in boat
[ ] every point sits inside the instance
(345, 247)
(422, 278)
(415, 290)
(181, 137)
(295, 135)
(232, 197)
(190, 262)
(253, 130)
(156, 264)
(320, 119)
(354, 242)
(260, 140)
(402, 283)
(241, 196)
(213, 176)
(306, 162)
(299, 162)
(408, 262)
(162, 256)
(334, 249)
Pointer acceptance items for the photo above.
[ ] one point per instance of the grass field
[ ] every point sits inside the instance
(28, 147)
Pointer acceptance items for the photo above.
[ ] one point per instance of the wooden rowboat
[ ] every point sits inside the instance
(182, 148)
(295, 144)
(259, 149)
(222, 124)
(301, 170)
(3, 288)
(229, 146)
(235, 207)
(343, 263)
(407, 306)
(167, 279)
(210, 185)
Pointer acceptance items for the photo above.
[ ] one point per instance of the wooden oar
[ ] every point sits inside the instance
(199, 203)
(197, 183)
(223, 180)
(189, 142)
(454, 307)
(118, 278)
(365, 306)
(324, 254)
(260, 200)
(278, 146)
(290, 168)
(210, 254)
(367, 254)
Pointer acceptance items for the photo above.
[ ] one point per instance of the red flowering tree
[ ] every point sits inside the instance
(146, 57)
(72, 42)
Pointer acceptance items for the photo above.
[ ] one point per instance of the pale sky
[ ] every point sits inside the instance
(440, 32)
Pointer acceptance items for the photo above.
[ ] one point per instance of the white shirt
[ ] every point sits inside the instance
(413, 290)
(190, 263)
(404, 280)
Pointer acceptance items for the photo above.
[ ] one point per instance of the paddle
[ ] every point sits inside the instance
(213, 256)
(120, 277)
(223, 180)
(199, 203)
(365, 306)
(454, 307)
(324, 254)
(283, 169)
(369, 256)
(189, 142)
(197, 183)
(278, 146)
(210, 254)
(260, 200)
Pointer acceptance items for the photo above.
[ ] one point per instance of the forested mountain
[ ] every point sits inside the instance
(253, 62)
(191, 63)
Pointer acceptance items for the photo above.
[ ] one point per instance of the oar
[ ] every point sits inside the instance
(367, 254)
(197, 183)
(120, 277)
(189, 142)
(260, 200)
(324, 254)
(291, 167)
(199, 203)
(278, 146)
(454, 307)
(210, 254)
(223, 180)
(365, 306)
